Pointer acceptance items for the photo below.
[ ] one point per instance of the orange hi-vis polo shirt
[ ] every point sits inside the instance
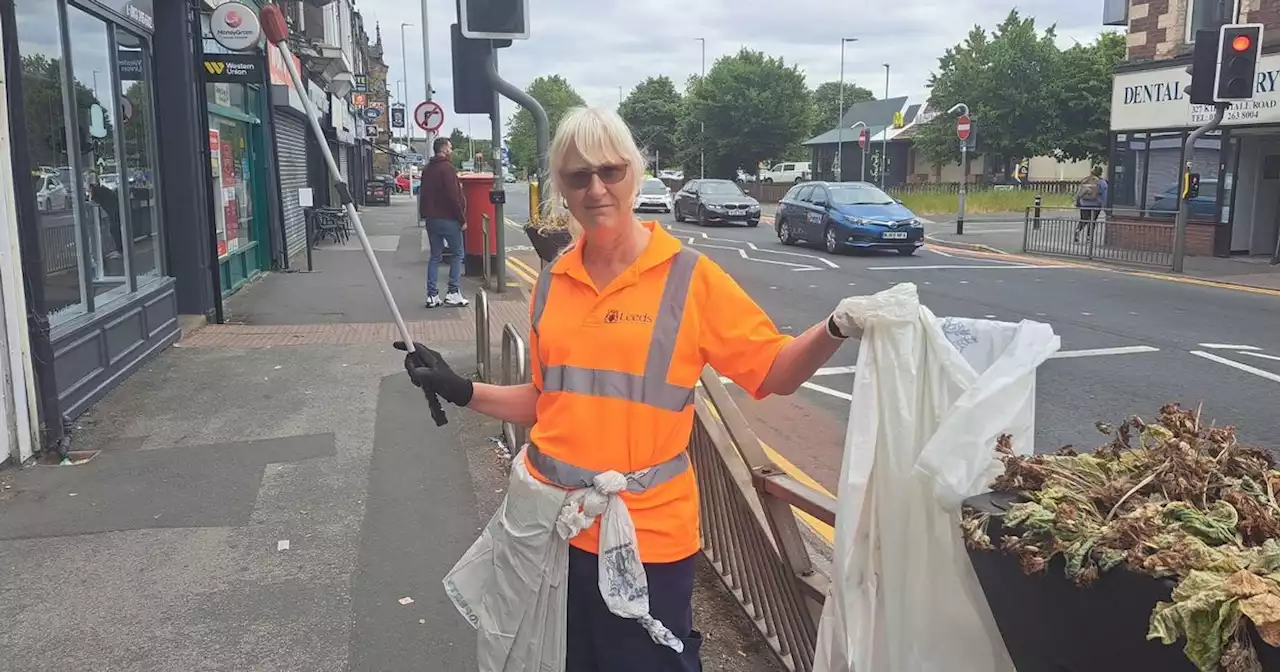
(616, 370)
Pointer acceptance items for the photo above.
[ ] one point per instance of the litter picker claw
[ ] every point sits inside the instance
(277, 32)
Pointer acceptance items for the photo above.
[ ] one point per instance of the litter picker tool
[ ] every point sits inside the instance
(277, 32)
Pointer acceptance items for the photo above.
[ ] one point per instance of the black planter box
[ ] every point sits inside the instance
(1051, 625)
(548, 245)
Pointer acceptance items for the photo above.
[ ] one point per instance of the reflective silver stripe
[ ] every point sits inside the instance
(570, 477)
(651, 388)
(617, 385)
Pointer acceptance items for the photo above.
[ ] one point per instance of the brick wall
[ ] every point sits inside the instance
(1266, 12)
(1149, 27)
(1145, 235)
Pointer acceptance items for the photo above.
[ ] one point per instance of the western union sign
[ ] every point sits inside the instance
(233, 68)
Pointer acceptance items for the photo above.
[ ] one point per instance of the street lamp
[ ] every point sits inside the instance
(702, 139)
(404, 64)
(884, 140)
(861, 150)
(840, 114)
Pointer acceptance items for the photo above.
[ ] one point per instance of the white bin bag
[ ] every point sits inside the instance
(930, 398)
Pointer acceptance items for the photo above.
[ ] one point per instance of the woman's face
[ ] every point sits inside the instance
(597, 195)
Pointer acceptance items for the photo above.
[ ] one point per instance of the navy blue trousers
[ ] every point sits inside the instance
(600, 641)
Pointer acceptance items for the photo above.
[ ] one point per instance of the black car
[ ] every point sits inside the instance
(716, 202)
(378, 191)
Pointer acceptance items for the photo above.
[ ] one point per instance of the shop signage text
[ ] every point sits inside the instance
(233, 68)
(137, 11)
(361, 84)
(1153, 99)
(235, 26)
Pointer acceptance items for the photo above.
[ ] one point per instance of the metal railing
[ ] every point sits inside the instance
(514, 372)
(484, 352)
(1116, 236)
(484, 255)
(750, 533)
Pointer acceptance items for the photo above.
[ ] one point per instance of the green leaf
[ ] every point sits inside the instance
(1202, 613)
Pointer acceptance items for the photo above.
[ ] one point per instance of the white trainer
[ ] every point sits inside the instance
(455, 299)
(434, 301)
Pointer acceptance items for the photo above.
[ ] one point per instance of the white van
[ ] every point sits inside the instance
(790, 171)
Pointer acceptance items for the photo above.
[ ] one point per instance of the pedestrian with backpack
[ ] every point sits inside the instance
(1091, 197)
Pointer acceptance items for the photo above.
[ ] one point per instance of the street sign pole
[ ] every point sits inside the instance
(1180, 224)
(426, 73)
(962, 131)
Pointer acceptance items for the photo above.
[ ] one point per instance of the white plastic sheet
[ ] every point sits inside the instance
(930, 398)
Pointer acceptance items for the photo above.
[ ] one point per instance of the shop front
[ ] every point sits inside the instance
(290, 133)
(237, 98)
(1238, 209)
(90, 191)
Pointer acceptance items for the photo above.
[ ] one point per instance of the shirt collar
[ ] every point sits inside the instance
(662, 246)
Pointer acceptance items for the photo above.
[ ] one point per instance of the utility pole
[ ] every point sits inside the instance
(702, 139)
(426, 77)
(404, 64)
(840, 114)
(1184, 209)
(884, 139)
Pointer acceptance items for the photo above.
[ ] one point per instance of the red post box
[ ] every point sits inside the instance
(476, 188)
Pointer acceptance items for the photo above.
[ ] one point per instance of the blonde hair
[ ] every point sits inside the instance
(599, 136)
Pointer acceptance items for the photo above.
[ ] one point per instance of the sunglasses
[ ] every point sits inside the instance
(608, 174)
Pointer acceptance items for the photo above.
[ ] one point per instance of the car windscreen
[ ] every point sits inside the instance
(719, 188)
(653, 187)
(844, 194)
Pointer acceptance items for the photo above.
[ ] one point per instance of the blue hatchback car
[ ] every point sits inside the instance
(847, 215)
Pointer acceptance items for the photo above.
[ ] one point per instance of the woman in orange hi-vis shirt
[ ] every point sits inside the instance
(621, 326)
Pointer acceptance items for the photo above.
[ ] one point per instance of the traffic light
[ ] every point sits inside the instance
(1239, 48)
(1203, 68)
(494, 19)
(1190, 185)
(471, 91)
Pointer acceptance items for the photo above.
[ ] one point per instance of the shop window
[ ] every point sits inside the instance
(102, 206)
(1125, 169)
(232, 181)
(56, 188)
(1207, 15)
(137, 122)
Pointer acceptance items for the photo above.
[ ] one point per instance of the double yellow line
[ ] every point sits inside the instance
(522, 270)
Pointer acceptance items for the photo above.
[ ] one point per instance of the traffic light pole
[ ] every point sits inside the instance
(1180, 223)
(542, 140)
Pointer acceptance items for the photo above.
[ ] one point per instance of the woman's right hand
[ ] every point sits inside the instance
(428, 370)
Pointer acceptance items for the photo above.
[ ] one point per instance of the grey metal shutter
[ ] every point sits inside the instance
(342, 164)
(291, 142)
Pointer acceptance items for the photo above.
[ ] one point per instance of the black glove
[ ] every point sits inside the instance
(428, 370)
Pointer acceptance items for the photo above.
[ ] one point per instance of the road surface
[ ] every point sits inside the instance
(1129, 343)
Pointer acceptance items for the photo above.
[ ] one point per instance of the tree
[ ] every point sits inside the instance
(465, 149)
(826, 104)
(557, 97)
(1011, 81)
(1084, 110)
(754, 108)
(42, 100)
(652, 110)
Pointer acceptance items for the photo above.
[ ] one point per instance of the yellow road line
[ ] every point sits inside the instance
(519, 269)
(820, 528)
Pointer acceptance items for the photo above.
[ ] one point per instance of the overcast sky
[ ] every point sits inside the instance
(600, 46)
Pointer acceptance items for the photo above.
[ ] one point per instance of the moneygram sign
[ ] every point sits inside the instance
(1154, 99)
(235, 26)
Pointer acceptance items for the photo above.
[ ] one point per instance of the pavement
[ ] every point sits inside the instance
(271, 493)
(1131, 341)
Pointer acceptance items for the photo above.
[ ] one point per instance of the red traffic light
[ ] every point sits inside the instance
(1241, 43)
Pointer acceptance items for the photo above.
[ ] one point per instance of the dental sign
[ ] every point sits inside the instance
(1154, 99)
(235, 26)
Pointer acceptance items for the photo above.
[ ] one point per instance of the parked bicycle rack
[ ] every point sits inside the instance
(514, 372)
(484, 366)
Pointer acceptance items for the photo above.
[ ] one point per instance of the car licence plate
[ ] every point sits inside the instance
(737, 213)
(894, 235)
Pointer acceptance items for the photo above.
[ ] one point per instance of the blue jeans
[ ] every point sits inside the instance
(438, 231)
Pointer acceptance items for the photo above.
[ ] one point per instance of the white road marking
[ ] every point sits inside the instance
(827, 391)
(1087, 314)
(1263, 356)
(940, 267)
(942, 254)
(811, 268)
(1228, 346)
(1237, 365)
(835, 370)
(1101, 352)
(824, 260)
(989, 317)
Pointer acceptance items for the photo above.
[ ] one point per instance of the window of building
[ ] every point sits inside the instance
(89, 114)
(1207, 15)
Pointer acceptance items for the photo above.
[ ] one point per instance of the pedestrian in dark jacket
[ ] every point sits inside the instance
(440, 203)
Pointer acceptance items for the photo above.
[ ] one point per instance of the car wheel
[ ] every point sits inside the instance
(906, 251)
(784, 233)
(702, 216)
(768, 180)
(832, 245)
(799, 180)
(753, 223)
(679, 217)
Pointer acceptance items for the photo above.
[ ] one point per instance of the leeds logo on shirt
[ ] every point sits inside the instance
(619, 317)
